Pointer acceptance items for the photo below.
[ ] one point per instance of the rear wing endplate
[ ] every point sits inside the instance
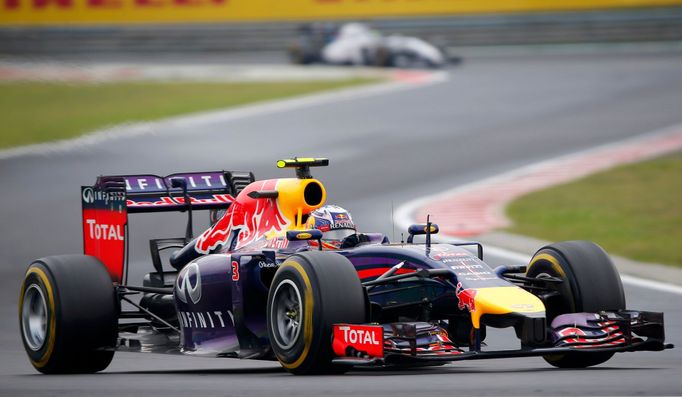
(108, 202)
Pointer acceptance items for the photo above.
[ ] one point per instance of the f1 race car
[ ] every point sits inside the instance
(258, 284)
(357, 44)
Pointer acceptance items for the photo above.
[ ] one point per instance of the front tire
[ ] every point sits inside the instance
(591, 284)
(310, 292)
(68, 314)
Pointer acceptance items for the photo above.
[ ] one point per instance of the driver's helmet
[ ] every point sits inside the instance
(334, 222)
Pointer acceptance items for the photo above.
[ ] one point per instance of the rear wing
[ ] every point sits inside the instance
(153, 193)
(108, 202)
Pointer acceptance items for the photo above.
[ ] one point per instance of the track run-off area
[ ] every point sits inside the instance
(387, 147)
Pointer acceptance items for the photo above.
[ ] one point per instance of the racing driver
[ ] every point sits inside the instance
(337, 227)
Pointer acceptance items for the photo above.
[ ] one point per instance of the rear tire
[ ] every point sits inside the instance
(310, 292)
(591, 284)
(68, 314)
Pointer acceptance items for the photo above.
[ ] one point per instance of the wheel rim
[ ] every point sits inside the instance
(34, 317)
(286, 314)
(556, 306)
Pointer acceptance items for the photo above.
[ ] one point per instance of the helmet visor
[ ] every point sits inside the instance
(337, 234)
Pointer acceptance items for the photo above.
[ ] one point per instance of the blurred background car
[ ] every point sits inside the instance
(358, 44)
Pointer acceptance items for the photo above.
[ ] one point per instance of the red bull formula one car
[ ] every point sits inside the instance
(258, 284)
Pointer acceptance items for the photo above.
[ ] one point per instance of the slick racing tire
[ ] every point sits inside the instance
(310, 292)
(591, 284)
(68, 314)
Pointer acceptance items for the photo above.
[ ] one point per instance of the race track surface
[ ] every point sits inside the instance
(490, 116)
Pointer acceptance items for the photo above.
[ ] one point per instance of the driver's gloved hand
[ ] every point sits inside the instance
(353, 240)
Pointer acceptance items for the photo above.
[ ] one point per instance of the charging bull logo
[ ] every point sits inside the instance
(571, 331)
(254, 218)
(466, 298)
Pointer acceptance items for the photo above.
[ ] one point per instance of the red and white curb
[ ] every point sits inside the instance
(626, 278)
(478, 207)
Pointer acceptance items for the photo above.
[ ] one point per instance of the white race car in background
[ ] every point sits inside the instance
(358, 44)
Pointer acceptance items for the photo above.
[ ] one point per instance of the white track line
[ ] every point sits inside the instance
(404, 215)
(650, 284)
(203, 118)
(626, 278)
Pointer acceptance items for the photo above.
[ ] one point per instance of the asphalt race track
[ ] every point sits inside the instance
(492, 115)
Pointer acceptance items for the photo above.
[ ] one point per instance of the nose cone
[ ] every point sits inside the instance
(504, 300)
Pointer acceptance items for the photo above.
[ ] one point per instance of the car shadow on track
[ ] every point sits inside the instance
(204, 371)
(450, 370)
(453, 370)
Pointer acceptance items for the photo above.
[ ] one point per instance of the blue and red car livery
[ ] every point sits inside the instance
(260, 284)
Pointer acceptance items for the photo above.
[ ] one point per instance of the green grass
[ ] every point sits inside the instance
(43, 111)
(633, 211)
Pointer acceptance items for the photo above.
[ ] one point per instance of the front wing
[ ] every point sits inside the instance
(406, 343)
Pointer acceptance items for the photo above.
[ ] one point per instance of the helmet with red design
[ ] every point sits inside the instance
(334, 222)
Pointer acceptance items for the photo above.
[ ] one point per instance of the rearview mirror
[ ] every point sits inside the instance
(421, 228)
(302, 235)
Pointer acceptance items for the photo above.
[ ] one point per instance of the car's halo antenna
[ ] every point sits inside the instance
(302, 165)
(392, 222)
(428, 231)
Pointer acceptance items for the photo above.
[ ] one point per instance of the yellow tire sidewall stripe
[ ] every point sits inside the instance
(552, 260)
(307, 314)
(555, 266)
(52, 314)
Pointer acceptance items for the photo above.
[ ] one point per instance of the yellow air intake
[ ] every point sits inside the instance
(298, 197)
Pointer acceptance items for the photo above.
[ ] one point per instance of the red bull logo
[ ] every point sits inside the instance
(571, 331)
(466, 298)
(254, 218)
(178, 201)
